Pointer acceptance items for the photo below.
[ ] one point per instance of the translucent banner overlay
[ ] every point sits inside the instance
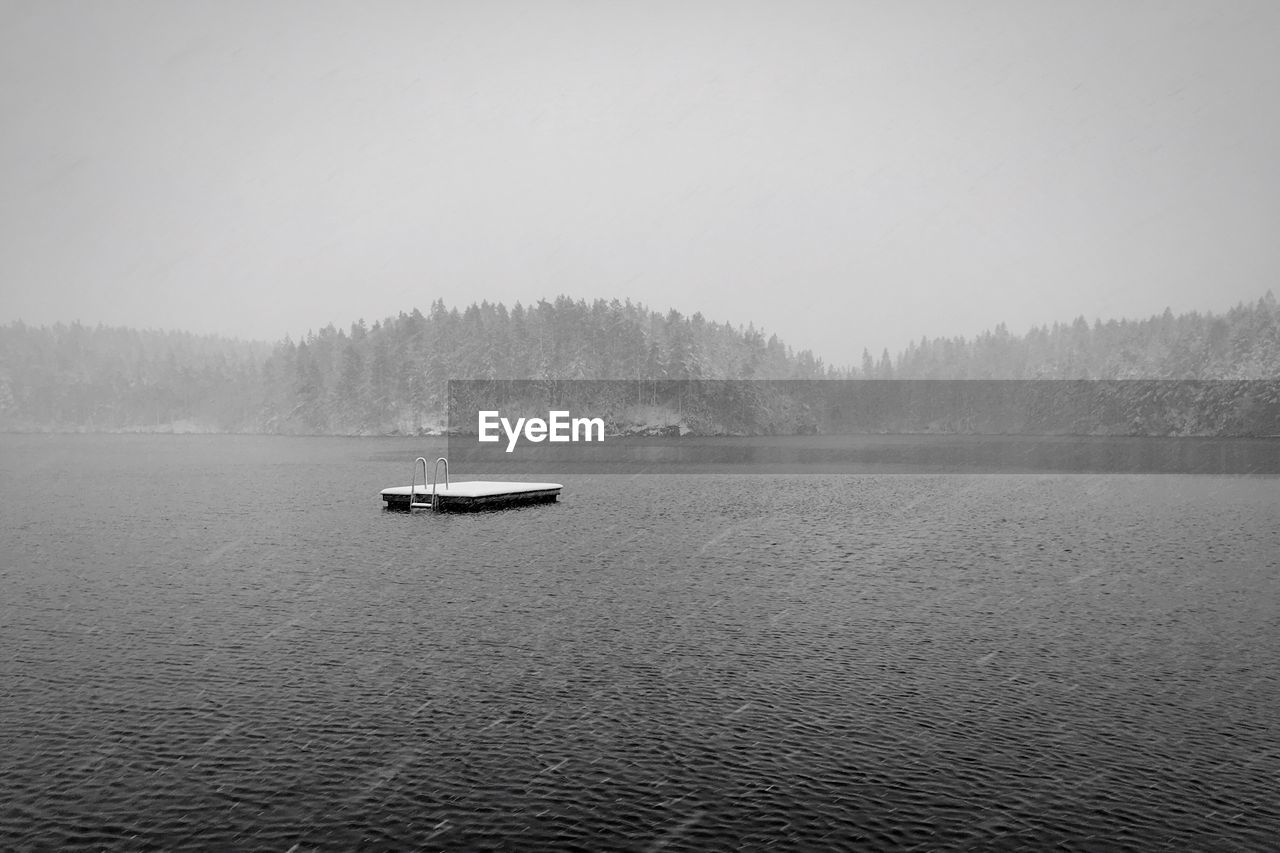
(550, 427)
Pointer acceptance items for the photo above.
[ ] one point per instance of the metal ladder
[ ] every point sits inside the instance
(413, 484)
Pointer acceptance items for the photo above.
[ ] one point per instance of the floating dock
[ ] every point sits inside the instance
(466, 496)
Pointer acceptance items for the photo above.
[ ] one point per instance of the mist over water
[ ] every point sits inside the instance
(223, 642)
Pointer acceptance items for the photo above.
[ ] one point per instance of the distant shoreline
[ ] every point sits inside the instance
(643, 433)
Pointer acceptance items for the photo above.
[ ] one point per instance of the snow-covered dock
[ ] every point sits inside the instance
(466, 496)
(477, 494)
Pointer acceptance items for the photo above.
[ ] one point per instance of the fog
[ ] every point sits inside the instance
(846, 175)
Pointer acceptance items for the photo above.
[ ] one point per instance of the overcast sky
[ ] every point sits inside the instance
(843, 173)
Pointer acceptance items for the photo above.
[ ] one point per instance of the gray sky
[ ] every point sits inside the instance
(845, 174)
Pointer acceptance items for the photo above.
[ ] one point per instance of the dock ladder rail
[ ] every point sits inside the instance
(435, 471)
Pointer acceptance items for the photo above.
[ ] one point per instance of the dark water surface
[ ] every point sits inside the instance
(879, 454)
(225, 643)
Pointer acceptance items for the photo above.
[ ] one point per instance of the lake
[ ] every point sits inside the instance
(224, 642)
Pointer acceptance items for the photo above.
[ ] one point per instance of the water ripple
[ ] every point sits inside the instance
(696, 663)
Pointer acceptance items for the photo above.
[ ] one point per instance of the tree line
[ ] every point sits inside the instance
(1243, 343)
(391, 376)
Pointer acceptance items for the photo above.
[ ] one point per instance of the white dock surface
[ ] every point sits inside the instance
(474, 489)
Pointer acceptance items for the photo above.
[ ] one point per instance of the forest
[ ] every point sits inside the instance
(391, 377)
